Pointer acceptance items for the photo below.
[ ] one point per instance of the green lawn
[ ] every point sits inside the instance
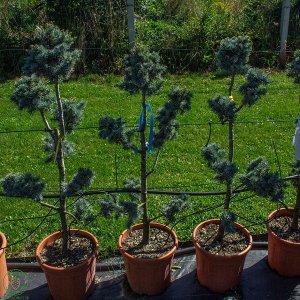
(180, 167)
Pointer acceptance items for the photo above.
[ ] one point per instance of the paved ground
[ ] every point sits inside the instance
(258, 283)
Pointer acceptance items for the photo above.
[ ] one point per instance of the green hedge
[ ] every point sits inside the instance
(172, 27)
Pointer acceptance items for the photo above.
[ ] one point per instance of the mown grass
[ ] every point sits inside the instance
(180, 167)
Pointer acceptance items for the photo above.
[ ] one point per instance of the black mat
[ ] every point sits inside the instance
(258, 282)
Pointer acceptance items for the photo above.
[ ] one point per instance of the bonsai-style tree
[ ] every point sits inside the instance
(232, 58)
(143, 74)
(294, 71)
(51, 60)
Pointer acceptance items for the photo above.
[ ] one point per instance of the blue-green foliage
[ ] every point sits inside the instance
(52, 55)
(179, 102)
(23, 185)
(294, 67)
(262, 181)
(176, 206)
(68, 147)
(133, 184)
(32, 94)
(131, 210)
(296, 171)
(83, 210)
(213, 153)
(254, 87)
(223, 107)
(82, 179)
(114, 131)
(233, 54)
(143, 72)
(112, 204)
(216, 160)
(73, 114)
(225, 171)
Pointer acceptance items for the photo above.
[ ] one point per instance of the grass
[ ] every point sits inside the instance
(180, 167)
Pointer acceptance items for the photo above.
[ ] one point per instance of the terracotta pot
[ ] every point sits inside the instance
(3, 267)
(217, 272)
(73, 283)
(283, 255)
(148, 276)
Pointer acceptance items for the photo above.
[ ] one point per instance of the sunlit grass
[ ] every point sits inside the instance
(180, 167)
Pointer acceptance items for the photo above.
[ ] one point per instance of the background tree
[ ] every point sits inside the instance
(143, 74)
(232, 58)
(50, 60)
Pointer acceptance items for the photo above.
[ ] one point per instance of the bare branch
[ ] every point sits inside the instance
(49, 205)
(70, 214)
(154, 164)
(46, 121)
(239, 108)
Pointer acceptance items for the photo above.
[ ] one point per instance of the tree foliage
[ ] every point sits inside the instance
(52, 55)
(223, 107)
(233, 55)
(179, 102)
(254, 87)
(143, 72)
(260, 180)
(82, 179)
(73, 114)
(294, 67)
(23, 185)
(32, 94)
(176, 206)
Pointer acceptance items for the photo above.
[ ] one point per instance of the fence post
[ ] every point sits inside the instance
(284, 27)
(130, 18)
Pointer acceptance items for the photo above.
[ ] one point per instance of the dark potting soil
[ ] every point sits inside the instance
(282, 228)
(233, 243)
(161, 242)
(81, 248)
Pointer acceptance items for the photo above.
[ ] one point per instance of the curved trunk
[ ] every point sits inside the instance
(295, 222)
(221, 231)
(59, 137)
(146, 223)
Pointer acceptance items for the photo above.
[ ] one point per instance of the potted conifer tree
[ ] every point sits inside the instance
(3, 266)
(222, 244)
(148, 273)
(68, 257)
(283, 225)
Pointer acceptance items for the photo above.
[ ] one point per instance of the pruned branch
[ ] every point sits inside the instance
(48, 128)
(154, 163)
(49, 205)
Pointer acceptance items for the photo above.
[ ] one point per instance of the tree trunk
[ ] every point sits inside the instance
(59, 136)
(221, 230)
(231, 85)
(294, 225)
(146, 224)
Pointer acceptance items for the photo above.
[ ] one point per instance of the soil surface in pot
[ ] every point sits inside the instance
(161, 242)
(233, 243)
(281, 227)
(81, 248)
